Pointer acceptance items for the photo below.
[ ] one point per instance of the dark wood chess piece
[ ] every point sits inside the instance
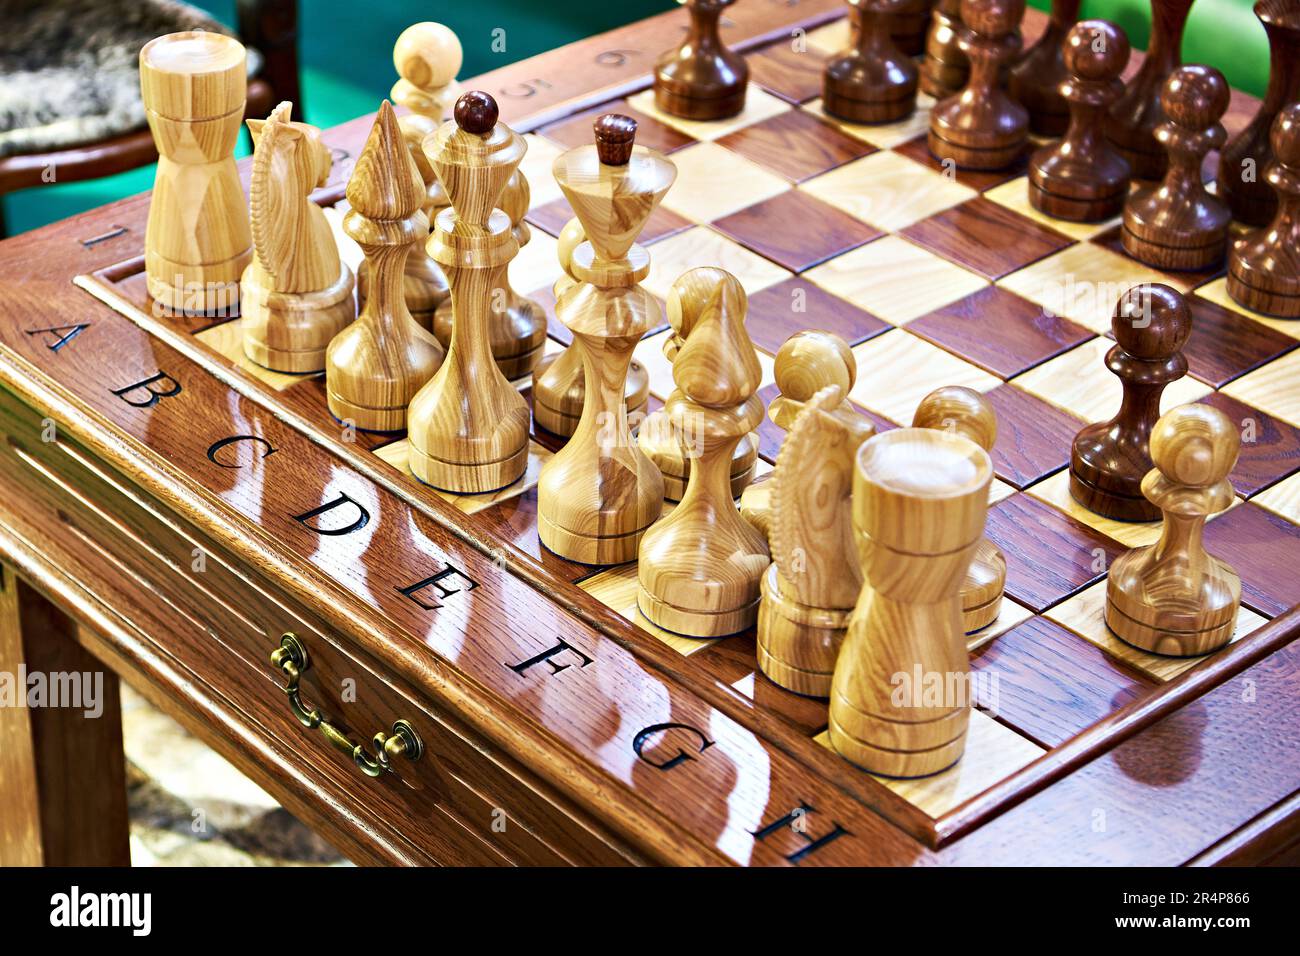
(1082, 177)
(945, 69)
(1264, 265)
(982, 127)
(702, 79)
(1109, 459)
(910, 24)
(873, 81)
(1179, 224)
(1036, 79)
(1243, 161)
(1135, 115)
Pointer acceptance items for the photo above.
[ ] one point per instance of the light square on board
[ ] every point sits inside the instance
(1282, 499)
(1010, 615)
(702, 246)
(713, 182)
(616, 588)
(228, 339)
(1217, 291)
(397, 454)
(895, 280)
(537, 264)
(759, 105)
(992, 753)
(650, 353)
(1014, 194)
(897, 369)
(1085, 615)
(887, 190)
(1273, 388)
(795, 230)
(884, 135)
(832, 38)
(1079, 382)
(536, 168)
(1084, 282)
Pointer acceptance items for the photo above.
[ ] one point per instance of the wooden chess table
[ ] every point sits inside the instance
(203, 528)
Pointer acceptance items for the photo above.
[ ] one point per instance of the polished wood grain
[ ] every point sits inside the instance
(699, 567)
(1173, 597)
(1244, 159)
(62, 773)
(1033, 436)
(787, 71)
(193, 87)
(873, 81)
(986, 238)
(796, 230)
(1270, 447)
(796, 145)
(1179, 224)
(919, 503)
(1225, 344)
(781, 310)
(375, 366)
(296, 294)
(468, 426)
(702, 79)
(1256, 543)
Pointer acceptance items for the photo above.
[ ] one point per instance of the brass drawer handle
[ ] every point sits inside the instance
(291, 657)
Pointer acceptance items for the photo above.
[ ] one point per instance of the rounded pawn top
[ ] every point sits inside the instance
(961, 410)
(1195, 445)
(1151, 321)
(1195, 96)
(427, 55)
(615, 136)
(992, 18)
(1095, 50)
(476, 112)
(1285, 136)
(810, 360)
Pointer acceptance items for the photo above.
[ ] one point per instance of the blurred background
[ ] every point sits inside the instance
(345, 50)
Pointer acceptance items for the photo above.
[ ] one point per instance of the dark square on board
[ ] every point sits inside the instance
(781, 310)
(1053, 554)
(1034, 437)
(1262, 547)
(1113, 240)
(986, 237)
(1270, 447)
(791, 75)
(1225, 344)
(796, 145)
(796, 230)
(999, 331)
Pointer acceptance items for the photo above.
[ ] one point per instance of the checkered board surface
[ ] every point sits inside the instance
(934, 280)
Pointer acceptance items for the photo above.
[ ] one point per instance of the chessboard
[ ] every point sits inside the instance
(934, 277)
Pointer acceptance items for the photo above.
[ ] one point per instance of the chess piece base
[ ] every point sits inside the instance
(1283, 305)
(869, 111)
(975, 157)
(700, 108)
(464, 478)
(1077, 209)
(211, 289)
(1210, 616)
(979, 616)
(1111, 504)
(585, 549)
(696, 622)
(364, 418)
(896, 763)
(798, 644)
(1193, 258)
(289, 332)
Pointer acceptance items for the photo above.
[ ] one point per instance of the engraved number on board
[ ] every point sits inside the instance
(643, 737)
(797, 822)
(615, 58)
(547, 655)
(521, 91)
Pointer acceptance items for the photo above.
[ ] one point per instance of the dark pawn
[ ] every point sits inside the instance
(1179, 224)
(702, 79)
(945, 69)
(1134, 117)
(1264, 266)
(1110, 459)
(1248, 196)
(1036, 79)
(1082, 177)
(909, 26)
(874, 82)
(982, 127)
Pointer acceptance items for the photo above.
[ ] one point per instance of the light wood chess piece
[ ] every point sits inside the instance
(966, 412)
(375, 366)
(1173, 597)
(700, 566)
(469, 426)
(599, 494)
(427, 57)
(558, 383)
(296, 294)
(814, 580)
(806, 363)
(660, 441)
(920, 497)
(197, 242)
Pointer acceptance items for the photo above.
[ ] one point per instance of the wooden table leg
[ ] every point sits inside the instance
(62, 772)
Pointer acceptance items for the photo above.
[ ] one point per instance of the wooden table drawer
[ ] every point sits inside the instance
(459, 799)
